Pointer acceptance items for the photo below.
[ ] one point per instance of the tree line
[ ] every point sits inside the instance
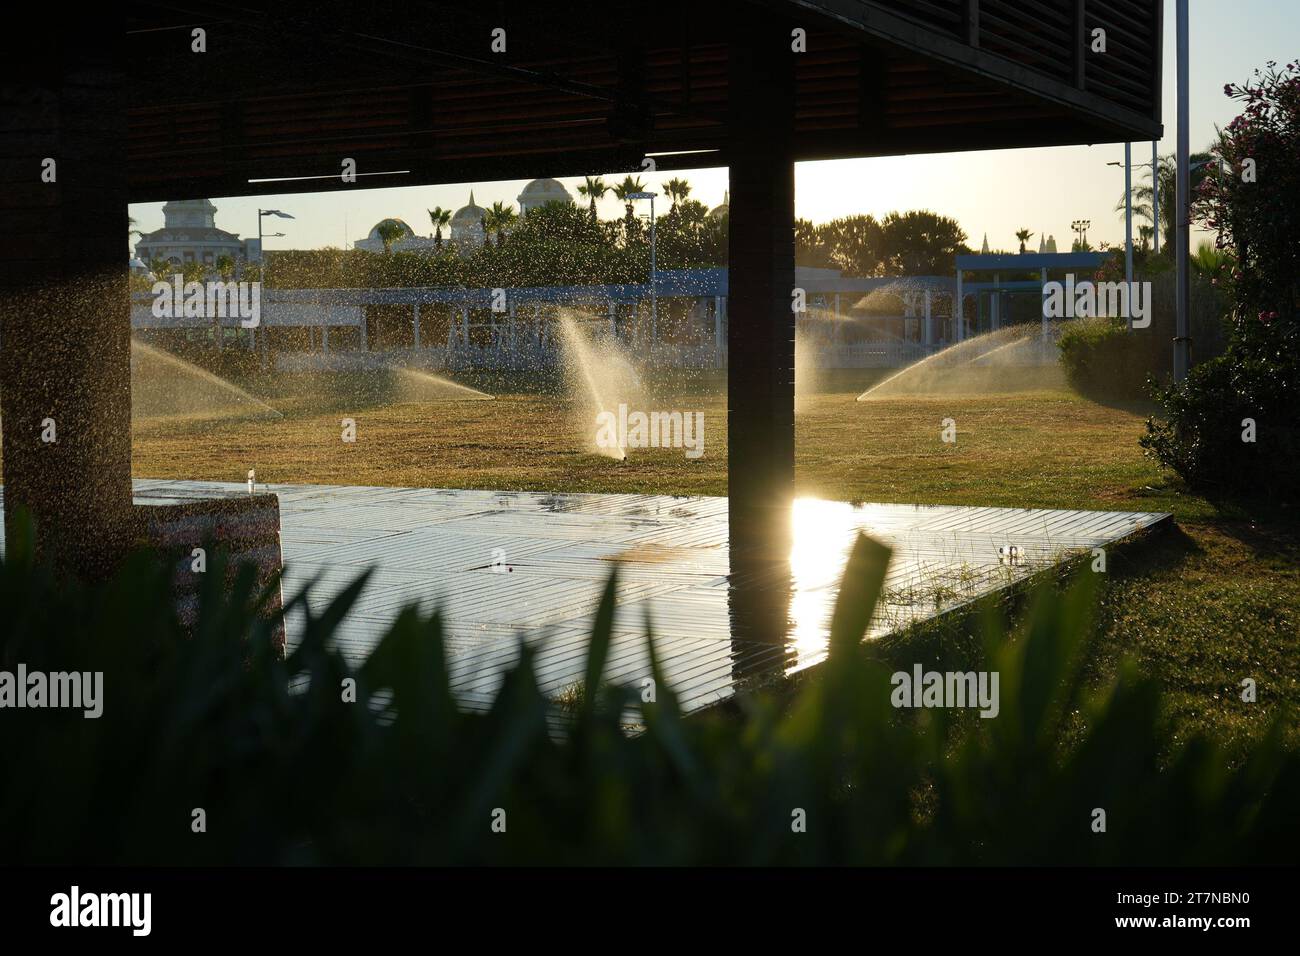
(569, 244)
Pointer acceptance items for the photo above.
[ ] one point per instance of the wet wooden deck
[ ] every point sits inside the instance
(505, 566)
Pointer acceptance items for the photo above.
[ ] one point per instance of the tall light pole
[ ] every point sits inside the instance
(1080, 227)
(654, 300)
(1128, 216)
(1128, 210)
(1182, 211)
(261, 256)
(1155, 198)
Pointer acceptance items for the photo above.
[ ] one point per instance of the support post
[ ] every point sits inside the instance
(1042, 288)
(995, 307)
(958, 330)
(760, 337)
(65, 311)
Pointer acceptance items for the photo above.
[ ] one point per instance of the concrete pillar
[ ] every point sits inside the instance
(415, 325)
(929, 321)
(719, 343)
(611, 310)
(1042, 284)
(760, 336)
(65, 316)
(464, 325)
(996, 305)
(958, 324)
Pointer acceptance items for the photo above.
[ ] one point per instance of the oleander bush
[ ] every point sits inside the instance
(288, 772)
(1252, 199)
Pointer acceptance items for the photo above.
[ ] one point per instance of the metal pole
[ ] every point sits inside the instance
(1182, 356)
(261, 258)
(1155, 197)
(1128, 216)
(654, 300)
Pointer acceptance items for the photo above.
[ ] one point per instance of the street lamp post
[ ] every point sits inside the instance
(1128, 164)
(654, 298)
(1155, 199)
(1080, 227)
(261, 254)
(261, 264)
(1128, 216)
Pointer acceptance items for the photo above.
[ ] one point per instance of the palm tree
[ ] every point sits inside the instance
(594, 188)
(130, 221)
(1209, 261)
(1024, 235)
(624, 191)
(499, 218)
(439, 217)
(676, 190)
(1199, 164)
(389, 232)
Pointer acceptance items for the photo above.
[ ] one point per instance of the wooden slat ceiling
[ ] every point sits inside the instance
(589, 87)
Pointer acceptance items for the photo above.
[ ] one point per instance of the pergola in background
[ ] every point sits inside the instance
(413, 92)
(1000, 264)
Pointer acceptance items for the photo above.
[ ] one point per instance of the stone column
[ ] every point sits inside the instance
(65, 317)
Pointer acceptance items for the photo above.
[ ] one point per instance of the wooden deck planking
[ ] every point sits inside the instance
(437, 548)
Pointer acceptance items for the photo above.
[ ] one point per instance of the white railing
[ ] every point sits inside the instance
(872, 354)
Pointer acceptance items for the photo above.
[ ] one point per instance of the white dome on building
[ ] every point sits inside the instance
(467, 223)
(541, 191)
(407, 231)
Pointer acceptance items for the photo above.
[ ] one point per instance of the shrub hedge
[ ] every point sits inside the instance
(288, 771)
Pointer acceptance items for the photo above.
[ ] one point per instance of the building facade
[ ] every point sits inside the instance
(190, 234)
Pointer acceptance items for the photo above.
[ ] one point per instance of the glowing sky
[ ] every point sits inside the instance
(993, 192)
